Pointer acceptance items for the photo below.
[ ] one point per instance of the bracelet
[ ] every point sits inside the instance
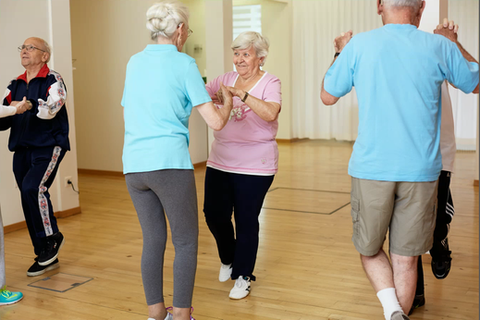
(245, 97)
(336, 55)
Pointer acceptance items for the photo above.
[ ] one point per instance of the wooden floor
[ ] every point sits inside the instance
(307, 267)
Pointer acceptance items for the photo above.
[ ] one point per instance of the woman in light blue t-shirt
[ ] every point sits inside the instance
(162, 85)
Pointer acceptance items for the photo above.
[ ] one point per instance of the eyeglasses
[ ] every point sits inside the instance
(29, 48)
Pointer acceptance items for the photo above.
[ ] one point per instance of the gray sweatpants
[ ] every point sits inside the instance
(172, 192)
(2, 254)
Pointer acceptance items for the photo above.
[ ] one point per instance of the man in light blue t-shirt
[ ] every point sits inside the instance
(397, 72)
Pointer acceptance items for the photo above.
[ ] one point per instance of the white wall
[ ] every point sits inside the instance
(50, 20)
(277, 27)
(105, 34)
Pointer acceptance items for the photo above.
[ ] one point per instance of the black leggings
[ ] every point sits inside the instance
(243, 194)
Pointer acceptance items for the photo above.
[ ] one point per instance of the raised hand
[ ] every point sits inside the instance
(448, 29)
(340, 42)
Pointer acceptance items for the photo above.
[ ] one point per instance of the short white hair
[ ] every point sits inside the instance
(402, 3)
(247, 39)
(163, 18)
(47, 49)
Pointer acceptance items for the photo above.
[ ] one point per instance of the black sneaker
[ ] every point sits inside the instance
(418, 301)
(441, 260)
(49, 253)
(36, 269)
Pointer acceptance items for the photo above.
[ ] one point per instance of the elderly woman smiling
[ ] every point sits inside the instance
(243, 160)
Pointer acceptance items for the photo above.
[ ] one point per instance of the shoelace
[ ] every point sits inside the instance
(6, 293)
(191, 311)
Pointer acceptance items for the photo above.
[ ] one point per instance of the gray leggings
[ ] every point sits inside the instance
(173, 191)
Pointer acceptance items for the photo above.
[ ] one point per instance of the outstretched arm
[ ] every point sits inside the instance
(339, 43)
(450, 31)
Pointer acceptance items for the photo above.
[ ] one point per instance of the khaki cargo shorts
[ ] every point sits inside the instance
(406, 209)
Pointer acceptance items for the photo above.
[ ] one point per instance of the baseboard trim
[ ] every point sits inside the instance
(68, 213)
(14, 227)
(59, 214)
(475, 183)
(101, 172)
(202, 164)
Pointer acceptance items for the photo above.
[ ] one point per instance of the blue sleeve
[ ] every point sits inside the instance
(339, 78)
(462, 73)
(195, 87)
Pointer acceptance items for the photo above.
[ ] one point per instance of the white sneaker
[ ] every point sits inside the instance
(225, 272)
(241, 289)
(168, 317)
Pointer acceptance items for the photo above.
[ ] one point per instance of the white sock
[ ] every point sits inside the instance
(388, 299)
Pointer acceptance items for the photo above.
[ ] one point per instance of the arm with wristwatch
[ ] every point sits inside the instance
(339, 43)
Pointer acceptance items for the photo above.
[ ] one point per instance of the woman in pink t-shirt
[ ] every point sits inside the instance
(243, 160)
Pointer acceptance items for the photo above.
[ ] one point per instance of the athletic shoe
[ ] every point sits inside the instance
(170, 315)
(225, 272)
(399, 315)
(8, 297)
(441, 259)
(36, 269)
(49, 253)
(241, 289)
(418, 301)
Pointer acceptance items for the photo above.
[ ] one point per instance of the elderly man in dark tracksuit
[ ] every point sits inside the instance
(39, 140)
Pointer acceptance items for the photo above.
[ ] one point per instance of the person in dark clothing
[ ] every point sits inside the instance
(39, 140)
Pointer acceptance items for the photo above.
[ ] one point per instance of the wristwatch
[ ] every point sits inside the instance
(336, 55)
(245, 97)
(29, 105)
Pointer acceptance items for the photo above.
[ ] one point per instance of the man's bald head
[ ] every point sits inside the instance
(40, 44)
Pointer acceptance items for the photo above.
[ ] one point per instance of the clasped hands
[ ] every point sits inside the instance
(21, 106)
(224, 92)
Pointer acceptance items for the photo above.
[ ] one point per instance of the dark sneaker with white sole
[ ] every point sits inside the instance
(441, 259)
(49, 253)
(36, 269)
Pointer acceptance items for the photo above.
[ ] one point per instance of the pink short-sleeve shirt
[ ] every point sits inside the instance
(246, 145)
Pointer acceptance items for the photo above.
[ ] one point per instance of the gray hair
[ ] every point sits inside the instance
(402, 3)
(164, 17)
(247, 39)
(47, 49)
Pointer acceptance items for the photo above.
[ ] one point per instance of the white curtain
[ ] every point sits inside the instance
(315, 26)
(465, 14)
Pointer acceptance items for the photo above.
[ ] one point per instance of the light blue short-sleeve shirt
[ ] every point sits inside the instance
(162, 86)
(397, 71)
